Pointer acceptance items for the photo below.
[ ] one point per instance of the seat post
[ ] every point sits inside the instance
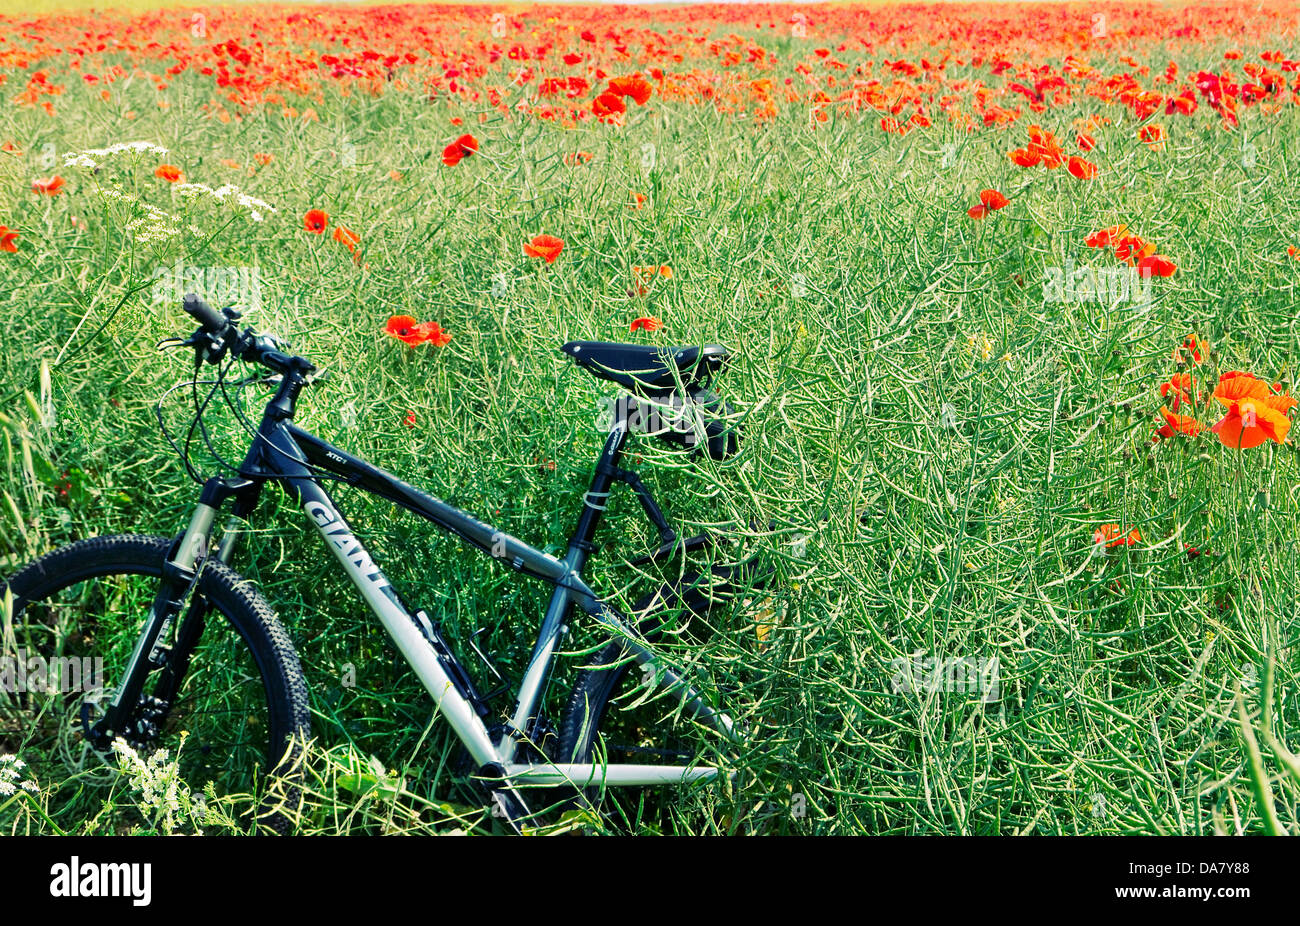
(597, 497)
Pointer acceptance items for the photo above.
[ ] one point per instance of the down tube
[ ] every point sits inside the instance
(383, 600)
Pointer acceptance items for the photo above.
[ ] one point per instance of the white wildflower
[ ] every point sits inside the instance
(153, 225)
(90, 158)
(10, 766)
(163, 793)
(255, 207)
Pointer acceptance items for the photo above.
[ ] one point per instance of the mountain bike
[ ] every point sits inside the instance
(236, 704)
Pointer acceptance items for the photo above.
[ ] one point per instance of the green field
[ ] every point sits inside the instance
(932, 440)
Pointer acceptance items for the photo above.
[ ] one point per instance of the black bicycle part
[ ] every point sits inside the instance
(97, 574)
(594, 691)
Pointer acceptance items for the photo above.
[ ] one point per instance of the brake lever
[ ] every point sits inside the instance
(174, 342)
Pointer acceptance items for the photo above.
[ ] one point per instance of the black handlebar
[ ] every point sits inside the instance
(215, 322)
(218, 335)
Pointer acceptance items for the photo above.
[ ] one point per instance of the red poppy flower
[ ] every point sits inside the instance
(1132, 249)
(1112, 536)
(406, 329)
(638, 88)
(1084, 170)
(1280, 403)
(1086, 142)
(990, 200)
(1194, 346)
(169, 172)
(412, 333)
(50, 186)
(1044, 145)
(7, 238)
(434, 334)
(648, 274)
(263, 159)
(1250, 422)
(646, 323)
(1180, 424)
(642, 277)
(993, 199)
(547, 247)
(1156, 265)
(1023, 157)
(608, 104)
(1235, 386)
(1180, 387)
(347, 236)
(1254, 414)
(638, 200)
(1153, 136)
(461, 148)
(409, 420)
(315, 221)
(1106, 237)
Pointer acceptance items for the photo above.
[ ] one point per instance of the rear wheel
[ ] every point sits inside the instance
(620, 712)
(242, 704)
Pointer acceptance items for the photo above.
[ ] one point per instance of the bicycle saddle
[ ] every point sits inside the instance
(646, 369)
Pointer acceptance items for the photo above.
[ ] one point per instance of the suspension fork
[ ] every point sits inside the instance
(246, 494)
(180, 575)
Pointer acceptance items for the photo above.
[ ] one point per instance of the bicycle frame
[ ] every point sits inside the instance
(284, 453)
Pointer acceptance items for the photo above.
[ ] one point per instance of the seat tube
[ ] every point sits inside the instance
(597, 497)
(580, 547)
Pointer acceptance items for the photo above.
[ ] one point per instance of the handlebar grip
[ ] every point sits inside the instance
(205, 314)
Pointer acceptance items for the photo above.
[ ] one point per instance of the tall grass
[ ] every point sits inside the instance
(859, 300)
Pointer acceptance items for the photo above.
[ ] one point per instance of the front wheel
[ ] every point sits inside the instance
(236, 721)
